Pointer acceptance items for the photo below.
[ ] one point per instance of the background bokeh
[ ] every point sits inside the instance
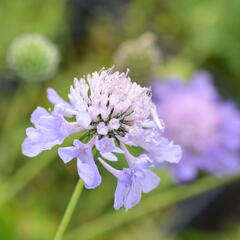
(154, 38)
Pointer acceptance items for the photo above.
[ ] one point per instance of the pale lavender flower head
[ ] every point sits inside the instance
(206, 127)
(113, 112)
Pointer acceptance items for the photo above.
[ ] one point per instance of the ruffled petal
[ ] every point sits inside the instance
(84, 119)
(109, 156)
(150, 181)
(89, 174)
(37, 113)
(133, 194)
(49, 131)
(30, 149)
(55, 99)
(166, 151)
(119, 195)
(68, 153)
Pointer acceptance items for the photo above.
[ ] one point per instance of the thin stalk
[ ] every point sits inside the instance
(69, 210)
(161, 200)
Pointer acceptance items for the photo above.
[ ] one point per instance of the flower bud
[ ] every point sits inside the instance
(33, 57)
(142, 56)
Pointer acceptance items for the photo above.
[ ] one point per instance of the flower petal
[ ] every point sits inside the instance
(84, 119)
(67, 153)
(102, 129)
(109, 156)
(150, 181)
(119, 195)
(55, 99)
(133, 194)
(166, 151)
(37, 113)
(30, 149)
(89, 174)
(49, 131)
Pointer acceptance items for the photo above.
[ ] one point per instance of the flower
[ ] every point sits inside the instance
(33, 57)
(114, 112)
(207, 128)
(132, 181)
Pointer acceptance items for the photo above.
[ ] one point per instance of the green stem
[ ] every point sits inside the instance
(161, 200)
(69, 211)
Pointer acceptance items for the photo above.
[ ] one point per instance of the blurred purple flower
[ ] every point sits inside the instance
(207, 128)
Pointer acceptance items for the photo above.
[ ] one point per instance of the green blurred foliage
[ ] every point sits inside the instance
(191, 34)
(207, 33)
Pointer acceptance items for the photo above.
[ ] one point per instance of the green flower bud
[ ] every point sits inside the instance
(33, 57)
(142, 56)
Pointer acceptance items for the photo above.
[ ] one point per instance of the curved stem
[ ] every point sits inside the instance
(69, 211)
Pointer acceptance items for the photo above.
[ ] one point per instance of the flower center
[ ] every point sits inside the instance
(114, 104)
(113, 126)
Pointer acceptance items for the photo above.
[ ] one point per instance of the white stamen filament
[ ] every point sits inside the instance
(112, 170)
(156, 119)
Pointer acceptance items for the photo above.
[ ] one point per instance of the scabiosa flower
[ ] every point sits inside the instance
(33, 57)
(114, 112)
(207, 128)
